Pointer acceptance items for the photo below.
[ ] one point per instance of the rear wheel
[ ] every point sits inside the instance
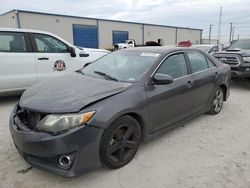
(217, 102)
(120, 142)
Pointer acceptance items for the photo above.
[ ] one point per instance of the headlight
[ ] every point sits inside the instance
(58, 123)
(246, 59)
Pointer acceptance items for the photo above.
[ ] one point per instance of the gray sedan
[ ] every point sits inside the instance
(99, 115)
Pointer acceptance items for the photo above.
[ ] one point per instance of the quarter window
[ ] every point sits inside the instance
(175, 66)
(12, 42)
(49, 44)
(197, 61)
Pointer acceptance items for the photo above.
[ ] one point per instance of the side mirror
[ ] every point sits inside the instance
(161, 79)
(72, 51)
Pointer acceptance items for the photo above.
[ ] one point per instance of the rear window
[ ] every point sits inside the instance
(12, 42)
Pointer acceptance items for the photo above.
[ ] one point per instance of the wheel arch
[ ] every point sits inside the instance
(139, 119)
(224, 89)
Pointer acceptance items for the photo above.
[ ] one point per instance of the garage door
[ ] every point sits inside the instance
(85, 36)
(119, 36)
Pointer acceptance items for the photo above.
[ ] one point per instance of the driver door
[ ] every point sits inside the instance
(52, 57)
(170, 103)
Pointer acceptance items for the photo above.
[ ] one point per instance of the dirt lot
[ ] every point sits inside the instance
(208, 151)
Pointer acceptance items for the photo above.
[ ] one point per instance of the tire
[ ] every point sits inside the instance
(217, 102)
(120, 142)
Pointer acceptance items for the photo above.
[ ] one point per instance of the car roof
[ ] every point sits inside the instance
(159, 49)
(33, 31)
(23, 30)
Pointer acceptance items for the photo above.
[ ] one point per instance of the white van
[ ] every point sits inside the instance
(28, 56)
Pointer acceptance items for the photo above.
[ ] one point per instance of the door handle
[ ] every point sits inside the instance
(189, 84)
(216, 74)
(43, 58)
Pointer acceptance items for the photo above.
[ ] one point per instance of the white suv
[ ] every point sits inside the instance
(28, 56)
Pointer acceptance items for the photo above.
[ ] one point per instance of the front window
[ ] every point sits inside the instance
(240, 44)
(125, 66)
(175, 66)
(49, 44)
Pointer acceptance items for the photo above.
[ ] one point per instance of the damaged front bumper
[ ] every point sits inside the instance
(68, 154)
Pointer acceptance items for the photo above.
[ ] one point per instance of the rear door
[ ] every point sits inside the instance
(52, 57)
(170, 103)
(17, 61)
(204, 74)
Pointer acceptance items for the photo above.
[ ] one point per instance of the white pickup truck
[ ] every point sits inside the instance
(130, 43)
(28, 56)
(126, 44)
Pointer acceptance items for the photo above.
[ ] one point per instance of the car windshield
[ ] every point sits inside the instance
(203, 48)
(240, 44)
(124, 66)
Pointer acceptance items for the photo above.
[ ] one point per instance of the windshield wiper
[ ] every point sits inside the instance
(106, 76)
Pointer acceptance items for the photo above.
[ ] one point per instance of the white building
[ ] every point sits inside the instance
(98, 33)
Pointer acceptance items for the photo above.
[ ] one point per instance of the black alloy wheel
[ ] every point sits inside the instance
(120, 142)
(217, 102)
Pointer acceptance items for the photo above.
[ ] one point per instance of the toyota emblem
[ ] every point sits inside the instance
(223, 60)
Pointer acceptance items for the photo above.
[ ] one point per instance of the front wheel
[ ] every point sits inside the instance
(120, 142)
(217, 102)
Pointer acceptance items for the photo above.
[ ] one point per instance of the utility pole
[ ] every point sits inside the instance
(230, 33)
(233, 33)
(210, 30)
(219, 27)
(238, 36)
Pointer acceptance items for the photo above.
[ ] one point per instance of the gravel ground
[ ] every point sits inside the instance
(208, 151)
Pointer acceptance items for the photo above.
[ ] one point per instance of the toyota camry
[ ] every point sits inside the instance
(99, 115)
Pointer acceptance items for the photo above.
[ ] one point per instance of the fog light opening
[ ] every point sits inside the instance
(65, 161)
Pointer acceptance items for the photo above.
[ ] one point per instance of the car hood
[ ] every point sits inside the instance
(69, 93)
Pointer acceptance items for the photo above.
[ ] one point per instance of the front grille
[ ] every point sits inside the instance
(232, 61)
(27, 119)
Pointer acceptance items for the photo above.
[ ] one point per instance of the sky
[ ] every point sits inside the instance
(185, 13)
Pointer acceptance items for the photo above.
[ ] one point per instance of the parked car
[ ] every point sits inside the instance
(131, 44)
(187, 43)
(28, 56)
(98, 115)
(238, 57)
(208, 48)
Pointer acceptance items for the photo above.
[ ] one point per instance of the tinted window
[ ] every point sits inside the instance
(12, 42)
(49, 44)
(175, 66)
(197, 61)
